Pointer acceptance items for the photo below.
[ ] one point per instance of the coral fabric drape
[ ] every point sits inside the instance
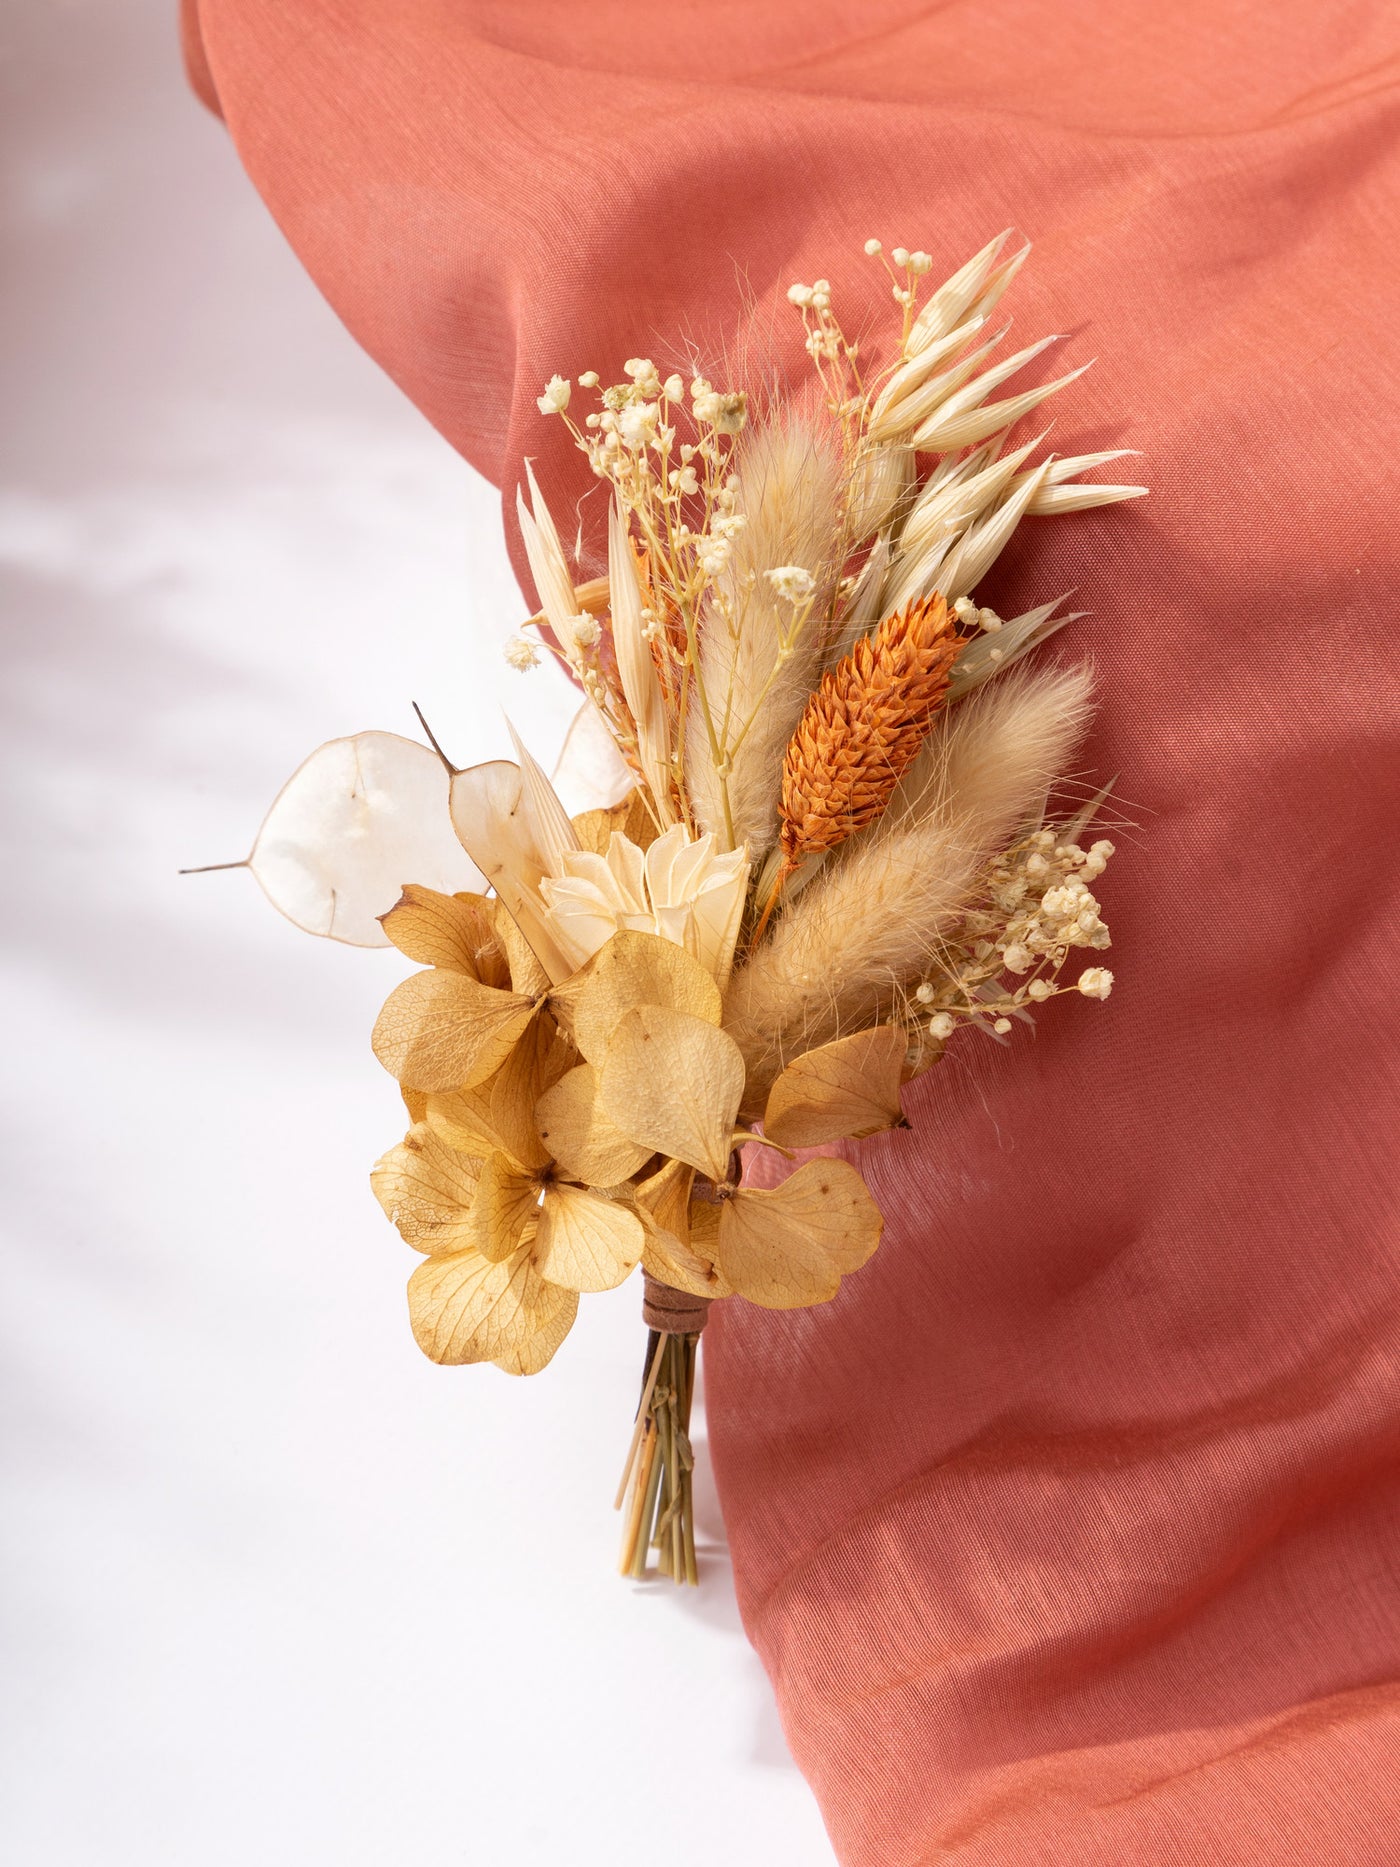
(1070, 1532)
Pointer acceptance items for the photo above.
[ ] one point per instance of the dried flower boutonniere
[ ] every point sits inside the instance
(824, 844)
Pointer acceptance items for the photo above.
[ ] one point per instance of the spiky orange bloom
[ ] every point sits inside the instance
(863, 726)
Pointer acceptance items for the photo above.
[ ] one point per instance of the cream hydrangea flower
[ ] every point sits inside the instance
(680, 888)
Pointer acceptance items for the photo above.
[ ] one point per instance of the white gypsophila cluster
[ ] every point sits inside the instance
(669, 464)
(555, 398)
(521, 654)
(826, 342)
(974, 617)
(792, 583)
(1006, 955)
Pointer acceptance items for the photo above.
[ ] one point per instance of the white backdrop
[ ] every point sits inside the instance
(278, 1590)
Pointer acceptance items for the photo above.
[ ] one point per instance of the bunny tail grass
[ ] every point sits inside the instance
(757, 678)
(840, 957)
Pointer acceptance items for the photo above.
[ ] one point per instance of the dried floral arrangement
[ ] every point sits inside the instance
(824, 844)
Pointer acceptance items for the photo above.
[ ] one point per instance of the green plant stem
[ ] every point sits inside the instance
(660, 1497)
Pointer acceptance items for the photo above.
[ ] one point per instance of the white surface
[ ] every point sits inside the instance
(279, 1591)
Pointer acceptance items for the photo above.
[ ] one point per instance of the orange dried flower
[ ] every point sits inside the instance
(863, 726)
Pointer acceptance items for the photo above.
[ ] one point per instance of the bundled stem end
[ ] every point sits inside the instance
(656, 1494)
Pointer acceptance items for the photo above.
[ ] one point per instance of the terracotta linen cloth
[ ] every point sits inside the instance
(1070, 1531)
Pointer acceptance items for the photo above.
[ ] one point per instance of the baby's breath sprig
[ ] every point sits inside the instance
(521, 654)
(877, 474)
(833, 353)
(905, 270)
(1006, 955)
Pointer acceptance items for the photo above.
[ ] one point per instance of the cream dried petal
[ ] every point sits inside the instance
(660, 882)
(591, 773)
(466, 1308)
(841, 1091)
(507, 1200)
(673, 1082)
(586, 883)
(683, 1263)
(426, 1188)
(789, 1246)
(357, 820)
(581, 920)
(713, 887)
(675, 886)
(665, 1196)
(455, 932)
(579, 1134)
(534, 1066)
(627, 864)
(442, 1030)
(493, 822)
(678, 925)
(462, 1119)
(716, 915)
(585, 1240)
(632, 969)
(527, 976)
(553, 1317)
(619, 887)
(630, 818)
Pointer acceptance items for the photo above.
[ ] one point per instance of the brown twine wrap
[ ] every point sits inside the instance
(672, 1312)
